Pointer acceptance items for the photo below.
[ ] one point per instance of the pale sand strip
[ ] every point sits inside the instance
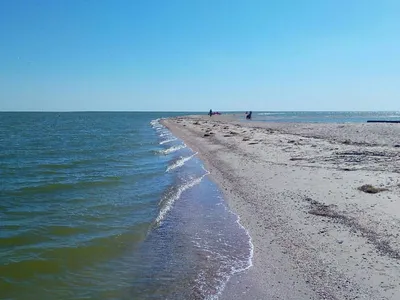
(294, 186)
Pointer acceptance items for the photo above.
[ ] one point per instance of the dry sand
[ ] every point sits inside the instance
(296, 190)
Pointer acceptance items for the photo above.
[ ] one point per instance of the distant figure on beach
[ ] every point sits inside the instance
(210, 113)
(248, 115)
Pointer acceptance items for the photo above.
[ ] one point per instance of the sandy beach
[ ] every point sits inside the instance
(320, 201)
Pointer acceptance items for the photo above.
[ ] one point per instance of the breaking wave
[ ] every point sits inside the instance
(167, 203)
(180, 162)
(172, 149)
(167, 141)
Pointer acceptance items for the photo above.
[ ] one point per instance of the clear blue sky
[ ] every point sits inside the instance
(199, 54)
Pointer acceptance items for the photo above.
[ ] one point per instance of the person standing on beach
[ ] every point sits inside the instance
(210, 113)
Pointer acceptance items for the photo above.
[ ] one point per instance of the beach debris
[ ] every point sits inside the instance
(366, 153)
(323, 210)
(253, 143)
(298, 158)
(206, 134)
(370, 189)
(347, 142)
(311, 201)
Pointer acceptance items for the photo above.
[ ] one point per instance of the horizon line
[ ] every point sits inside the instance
(180, 111)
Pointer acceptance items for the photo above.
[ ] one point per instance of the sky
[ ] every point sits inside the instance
(193, 55)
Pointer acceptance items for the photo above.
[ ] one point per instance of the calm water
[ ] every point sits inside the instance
(325, 116)
(109, 206)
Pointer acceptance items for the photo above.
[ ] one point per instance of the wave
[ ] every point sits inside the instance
(251, 254)
(167, 141)
(167, 203)
(180, 162)
(156, 123)
(172, 149)
(164, 134)
(162, 131)
(232, 267)
(230, 264)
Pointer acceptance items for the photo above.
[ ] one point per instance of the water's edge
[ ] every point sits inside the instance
(249, 260)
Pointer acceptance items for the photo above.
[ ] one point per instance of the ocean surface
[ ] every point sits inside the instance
(110, 206)
(113, 206)
(324, 116)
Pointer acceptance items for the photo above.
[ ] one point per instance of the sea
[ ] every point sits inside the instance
(325, 116)
(112, 205)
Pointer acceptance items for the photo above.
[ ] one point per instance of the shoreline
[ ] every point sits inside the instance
(294, 188)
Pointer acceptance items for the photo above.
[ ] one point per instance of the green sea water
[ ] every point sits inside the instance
(109, 206)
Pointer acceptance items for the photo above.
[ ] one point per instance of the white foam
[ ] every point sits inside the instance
(156, 123)
(171, 200)
(167, 141)
(237, 267)
(165, 134)
(168, 204)
(234, 269)
(180, 162)
(172, 149)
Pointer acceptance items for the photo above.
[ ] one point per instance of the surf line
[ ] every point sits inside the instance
(179, 163)
(167, 141)
(172, 149)
(167, 205)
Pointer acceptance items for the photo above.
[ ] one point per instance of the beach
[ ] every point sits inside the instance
(320, 202)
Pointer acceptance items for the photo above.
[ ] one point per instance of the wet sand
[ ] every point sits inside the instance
(296, 188)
